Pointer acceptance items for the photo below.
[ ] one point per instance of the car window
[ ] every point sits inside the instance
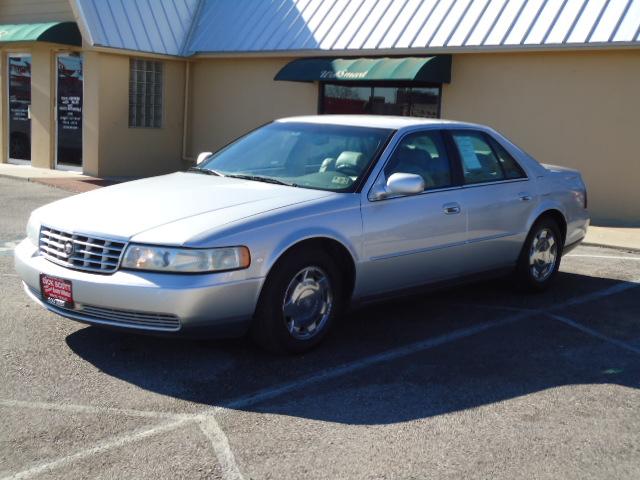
(422, 154)
(479, 163)
(509, 165)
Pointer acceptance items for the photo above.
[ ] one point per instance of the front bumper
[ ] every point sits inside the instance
(214, 304)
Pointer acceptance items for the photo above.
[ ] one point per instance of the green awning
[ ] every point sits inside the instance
(436, 69)
(66, 33)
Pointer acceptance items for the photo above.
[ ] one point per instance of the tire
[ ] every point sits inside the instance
(310, 283)
(540, 257)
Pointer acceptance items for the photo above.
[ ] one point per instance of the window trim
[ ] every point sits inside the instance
(379, 83)
(489, 141)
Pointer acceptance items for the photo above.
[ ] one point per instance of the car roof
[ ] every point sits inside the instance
(375, 121)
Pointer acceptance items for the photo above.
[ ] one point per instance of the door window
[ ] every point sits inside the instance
(19, 107)
(479, 162)
(422, 154)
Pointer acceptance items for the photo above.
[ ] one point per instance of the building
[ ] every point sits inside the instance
(139, 87)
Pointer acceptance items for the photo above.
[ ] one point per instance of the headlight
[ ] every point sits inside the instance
(185, 260)
(33, 230)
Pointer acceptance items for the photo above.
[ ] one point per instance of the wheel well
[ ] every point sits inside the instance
(558, 217)
(338, 252)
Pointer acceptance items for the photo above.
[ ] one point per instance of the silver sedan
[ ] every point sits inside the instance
(281, 231)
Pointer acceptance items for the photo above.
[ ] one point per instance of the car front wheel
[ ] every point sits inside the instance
(299, 303)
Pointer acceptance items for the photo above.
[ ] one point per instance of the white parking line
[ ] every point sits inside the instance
(595, 333)
(100, 447)
(420, 346)
(220, 443)
(68, 407)
(605, 292)
(218, 439)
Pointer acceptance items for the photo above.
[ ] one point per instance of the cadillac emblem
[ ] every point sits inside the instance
(68, 249)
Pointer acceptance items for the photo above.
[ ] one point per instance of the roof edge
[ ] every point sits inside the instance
(424, 51)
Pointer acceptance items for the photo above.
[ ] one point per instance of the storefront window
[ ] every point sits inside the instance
(415, 101)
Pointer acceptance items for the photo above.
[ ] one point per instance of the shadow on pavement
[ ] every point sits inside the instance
(513, 360)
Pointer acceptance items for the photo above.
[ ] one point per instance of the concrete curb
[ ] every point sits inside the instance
(12, 177)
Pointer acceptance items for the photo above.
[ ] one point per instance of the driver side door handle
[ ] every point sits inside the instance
(451, 208)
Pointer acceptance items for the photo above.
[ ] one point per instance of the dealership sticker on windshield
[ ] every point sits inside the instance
(56, 291)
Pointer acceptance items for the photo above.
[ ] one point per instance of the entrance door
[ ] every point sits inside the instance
(69, 112)
(19, 108)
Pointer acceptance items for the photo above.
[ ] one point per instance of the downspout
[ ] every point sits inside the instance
(185, 119)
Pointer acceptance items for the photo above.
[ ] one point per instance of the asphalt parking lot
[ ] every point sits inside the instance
(475, 382)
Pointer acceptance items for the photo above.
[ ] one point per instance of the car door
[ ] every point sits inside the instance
(499, 198)
(413, 239)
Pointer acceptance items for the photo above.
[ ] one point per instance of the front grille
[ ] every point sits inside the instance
(116, 317)
(80, 252)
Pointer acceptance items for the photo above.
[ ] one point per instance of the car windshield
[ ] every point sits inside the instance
(326, 157)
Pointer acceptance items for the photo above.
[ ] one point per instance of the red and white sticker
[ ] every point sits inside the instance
(56, 291)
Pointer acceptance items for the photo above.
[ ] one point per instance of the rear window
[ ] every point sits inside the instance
(509, 165)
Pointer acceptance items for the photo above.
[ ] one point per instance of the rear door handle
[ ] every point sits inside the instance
(524, 197)
(451, 208)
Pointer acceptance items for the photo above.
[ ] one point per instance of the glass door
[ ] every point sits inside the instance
(19, 90)
(69, 112)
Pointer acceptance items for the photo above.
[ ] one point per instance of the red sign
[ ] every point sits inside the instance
(56, 291)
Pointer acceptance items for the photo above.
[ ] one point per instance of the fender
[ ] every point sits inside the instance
(297, 236)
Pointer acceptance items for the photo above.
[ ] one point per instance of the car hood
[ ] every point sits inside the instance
(128, 209)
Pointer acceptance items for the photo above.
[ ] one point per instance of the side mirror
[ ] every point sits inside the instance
(202, 156)
(405, 184)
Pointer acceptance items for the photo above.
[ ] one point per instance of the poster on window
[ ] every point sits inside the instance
(69, 101)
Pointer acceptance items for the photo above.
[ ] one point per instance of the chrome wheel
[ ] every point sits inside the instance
(307, 304)
(543, 254)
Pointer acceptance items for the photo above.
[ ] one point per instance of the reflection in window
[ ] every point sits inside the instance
(381, 100)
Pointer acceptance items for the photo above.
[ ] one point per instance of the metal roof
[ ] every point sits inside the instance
(326, 25)
(157, 26)
(234, 26)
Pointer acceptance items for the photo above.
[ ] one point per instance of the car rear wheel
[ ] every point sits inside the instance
(299, 302)
(540, 258)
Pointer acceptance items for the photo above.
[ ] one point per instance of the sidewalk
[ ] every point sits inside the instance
(70, 181)
(617, 237)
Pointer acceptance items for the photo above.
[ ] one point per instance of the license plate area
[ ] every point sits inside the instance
(56, 291)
